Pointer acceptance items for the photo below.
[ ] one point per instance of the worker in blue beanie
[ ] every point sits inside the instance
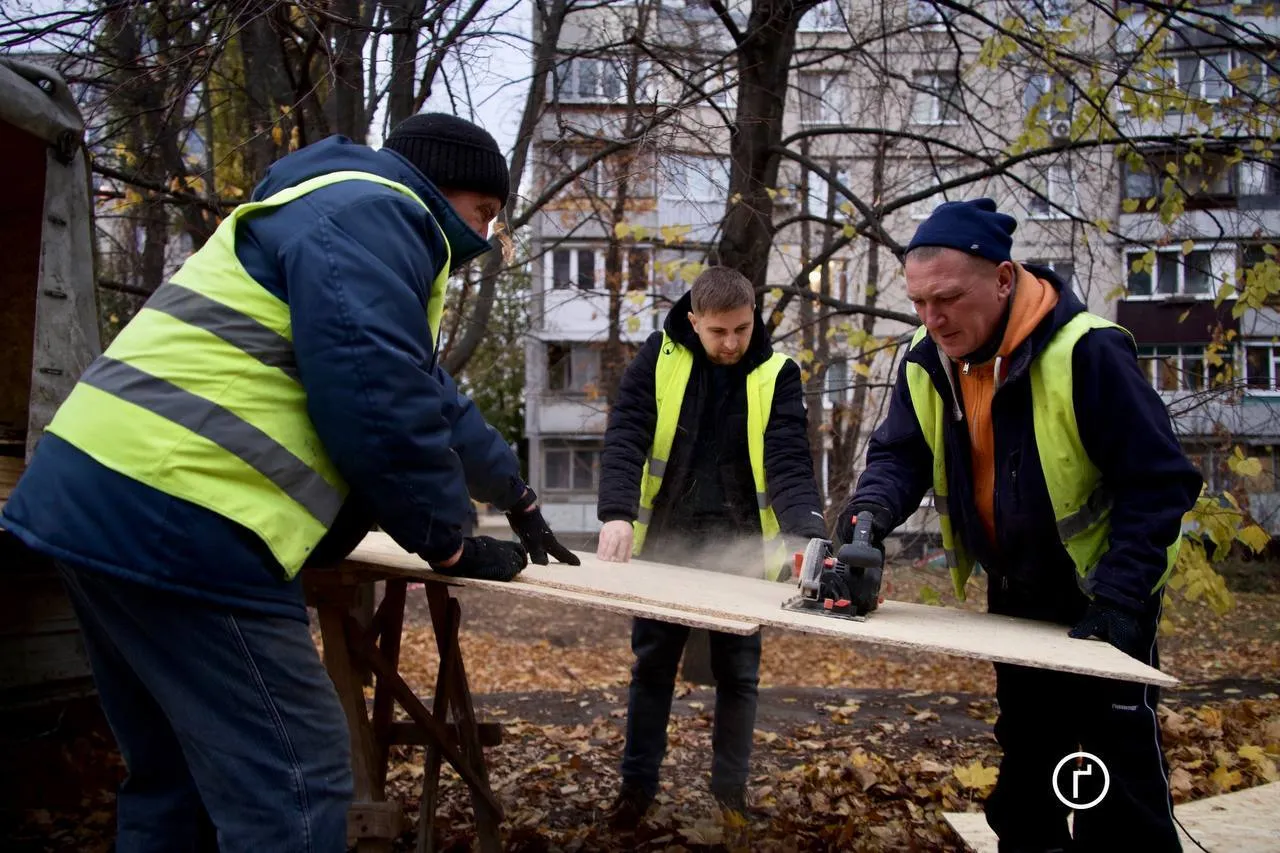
(1053, 465)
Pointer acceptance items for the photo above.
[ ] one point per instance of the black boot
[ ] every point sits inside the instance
(629, 807)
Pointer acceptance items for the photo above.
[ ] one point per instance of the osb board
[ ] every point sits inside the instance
(940, 629)
(1245, 821)
(379, 550)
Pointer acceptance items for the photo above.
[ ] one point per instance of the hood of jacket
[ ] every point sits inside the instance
(338, 153)
(680, 330)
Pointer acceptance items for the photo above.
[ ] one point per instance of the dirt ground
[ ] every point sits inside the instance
(857, 747)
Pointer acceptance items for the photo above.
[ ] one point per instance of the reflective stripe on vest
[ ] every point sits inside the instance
(199, 396)
(671, 378)
(1081, 502)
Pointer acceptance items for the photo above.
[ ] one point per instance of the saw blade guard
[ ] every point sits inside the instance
(811, 567)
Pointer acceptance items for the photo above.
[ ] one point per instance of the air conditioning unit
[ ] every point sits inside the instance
(1060, 128)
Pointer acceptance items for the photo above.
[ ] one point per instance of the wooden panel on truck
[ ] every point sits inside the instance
(21, 218)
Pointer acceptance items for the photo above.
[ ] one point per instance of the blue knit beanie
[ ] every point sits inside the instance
(974, 227)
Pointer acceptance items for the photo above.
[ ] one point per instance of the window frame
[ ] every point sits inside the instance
(574, 449)
(1154, 275)
(940, 100)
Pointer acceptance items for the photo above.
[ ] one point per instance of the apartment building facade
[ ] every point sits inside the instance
(901, 103)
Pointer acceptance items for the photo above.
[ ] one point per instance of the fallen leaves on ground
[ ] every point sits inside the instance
(818, 786)
(858, 747)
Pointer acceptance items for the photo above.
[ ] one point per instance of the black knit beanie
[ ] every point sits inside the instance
(974, 227)
(453, 153)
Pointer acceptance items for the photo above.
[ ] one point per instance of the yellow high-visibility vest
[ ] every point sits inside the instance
(1081, 501)
(199, 395)
(671, 378)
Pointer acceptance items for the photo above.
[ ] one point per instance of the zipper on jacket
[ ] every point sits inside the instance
(956, 413)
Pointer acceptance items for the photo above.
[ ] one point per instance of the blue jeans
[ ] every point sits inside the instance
(222, 717)
(735, 662)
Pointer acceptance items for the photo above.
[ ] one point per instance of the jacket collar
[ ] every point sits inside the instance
(464, 243)
(680, 330)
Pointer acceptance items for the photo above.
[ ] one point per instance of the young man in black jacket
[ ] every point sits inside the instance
(707, 449)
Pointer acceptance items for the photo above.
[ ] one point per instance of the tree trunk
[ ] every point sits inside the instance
(346, 57)
(764, 60)
(406, 15)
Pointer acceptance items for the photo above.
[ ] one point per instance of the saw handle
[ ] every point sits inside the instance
(862, 527)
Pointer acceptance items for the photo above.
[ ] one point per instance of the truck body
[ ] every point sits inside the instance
(49, 334)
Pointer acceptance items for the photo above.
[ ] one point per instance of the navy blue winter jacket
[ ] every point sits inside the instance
(355, 262)
(1126, 431)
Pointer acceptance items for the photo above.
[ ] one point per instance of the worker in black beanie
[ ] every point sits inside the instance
(454, 153)
(288, 374)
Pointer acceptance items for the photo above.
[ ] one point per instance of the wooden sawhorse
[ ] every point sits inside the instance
(448, 728)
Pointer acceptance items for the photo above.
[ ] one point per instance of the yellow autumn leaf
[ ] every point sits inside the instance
(1129, 205)
(1188, 246)
(1255, 538)
(1226, 780)
(1245, 467)
(277, 135)
(861, 369)
(691, 271)
(622, 230)
(977, 776)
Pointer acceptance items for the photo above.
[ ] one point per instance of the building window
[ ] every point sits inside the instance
(1174, 274)
(573, 368)
(1207, 180)
(937, 98)
(823, 98)
(1203, 76)
(1065, 268)
(1050, 11)
(1261, 368)
(820, 190)
(825, 17)
(571, 466)
(586, 80)
(692, 178)
(1052, 100)
(1174, 368)
(573, 268)
(1053, 193)
(927, 15)
(837, 383)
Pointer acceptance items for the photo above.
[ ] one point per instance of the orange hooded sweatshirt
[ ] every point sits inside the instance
(1033, 299)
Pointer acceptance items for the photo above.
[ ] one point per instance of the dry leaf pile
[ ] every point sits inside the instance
(857, 747)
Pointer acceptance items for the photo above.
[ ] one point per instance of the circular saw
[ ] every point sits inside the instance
(844, 584)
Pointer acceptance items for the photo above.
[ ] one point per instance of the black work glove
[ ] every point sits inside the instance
(536, 534)
(487, 559)
(1118, 625)
(881, 523)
